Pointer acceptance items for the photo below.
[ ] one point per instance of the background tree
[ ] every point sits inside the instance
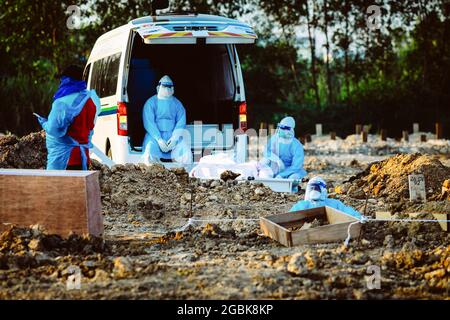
(316, 60)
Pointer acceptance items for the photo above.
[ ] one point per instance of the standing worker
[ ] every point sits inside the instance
(284, 153)
(71, 121)
(316, 195)
(164, 120)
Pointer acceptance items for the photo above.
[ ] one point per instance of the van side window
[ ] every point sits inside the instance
(105, 73)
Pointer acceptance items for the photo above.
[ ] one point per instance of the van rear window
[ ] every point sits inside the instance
(105, 73)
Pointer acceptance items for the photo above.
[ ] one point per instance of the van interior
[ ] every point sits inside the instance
(203, 78)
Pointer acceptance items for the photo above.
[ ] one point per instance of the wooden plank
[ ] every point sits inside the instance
(333, 135)
(61, 201)
(439, 130)
(382, 215)
(364, 136)
(383, 134)
(94, 205)
(336, 216)
(44, 173)
(308, 138)
(405, 135)
(276, 232)
(296, 215)
(325, 234)
(442, 216)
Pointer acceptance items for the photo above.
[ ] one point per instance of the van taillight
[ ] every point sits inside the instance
(243, 116)
(122, 123)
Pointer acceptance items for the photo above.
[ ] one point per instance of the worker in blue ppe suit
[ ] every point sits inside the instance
(316, 196)
(284, 153)
(164, 120)
(65, 130)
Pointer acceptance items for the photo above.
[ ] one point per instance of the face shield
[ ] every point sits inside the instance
(165, 90)
(285, 132)
(315, 190)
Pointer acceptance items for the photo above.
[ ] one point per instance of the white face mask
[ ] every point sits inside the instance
(314, 195)
(286, 134)
(164, 92)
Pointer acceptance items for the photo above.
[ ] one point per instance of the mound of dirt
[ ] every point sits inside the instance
(32, 247)
(405, 235)
(147, 198)
(431, 267)
(389, 178)
(445, 193)
(28, 152)
(149, 190)
(229, 175)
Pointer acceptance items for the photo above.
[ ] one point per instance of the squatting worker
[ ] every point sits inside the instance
(164, 120)
(284, 153)
(316, 195)
(71, 121)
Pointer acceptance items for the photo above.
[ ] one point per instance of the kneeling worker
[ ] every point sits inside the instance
(284, 153)
(317, 196)
(164, 120)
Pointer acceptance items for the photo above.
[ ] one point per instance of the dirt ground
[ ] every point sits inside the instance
(144, 255)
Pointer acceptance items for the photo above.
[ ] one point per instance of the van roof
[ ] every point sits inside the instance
(187, 18)
(183, 28)
(173, 19)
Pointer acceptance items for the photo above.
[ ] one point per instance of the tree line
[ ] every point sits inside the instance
(335, 62)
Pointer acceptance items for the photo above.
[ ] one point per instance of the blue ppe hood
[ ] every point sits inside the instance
(68, 86)
(291, 154)
(59, 144)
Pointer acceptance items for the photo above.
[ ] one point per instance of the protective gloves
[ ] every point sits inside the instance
(171, 144)
(174, 139)
(162, 145)
(280, 164)
(41, 119)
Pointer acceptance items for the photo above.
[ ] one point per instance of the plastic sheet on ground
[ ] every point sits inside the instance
(211, 166)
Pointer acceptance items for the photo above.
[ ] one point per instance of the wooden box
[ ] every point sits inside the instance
(61, 201)
(276, 226)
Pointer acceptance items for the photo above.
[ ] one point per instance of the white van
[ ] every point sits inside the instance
(197, 51)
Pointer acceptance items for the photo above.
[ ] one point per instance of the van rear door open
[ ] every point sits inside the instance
(201, 60)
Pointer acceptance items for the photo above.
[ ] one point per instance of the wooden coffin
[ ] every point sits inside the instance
(61, 201)
(277, 226)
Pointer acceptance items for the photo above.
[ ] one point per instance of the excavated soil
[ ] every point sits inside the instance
(28, 152)
(389, 178)
(149, 250)
(152, 197)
